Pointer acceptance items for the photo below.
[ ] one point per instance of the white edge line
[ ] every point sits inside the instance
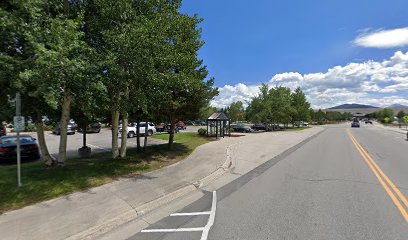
(190, 214)
(210, 222)
(172, 230)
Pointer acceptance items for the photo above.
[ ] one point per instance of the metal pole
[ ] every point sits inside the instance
(18, 113)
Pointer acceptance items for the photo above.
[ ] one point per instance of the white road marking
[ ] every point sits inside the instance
(190, 214)
(173, 230)
(105, 149)
(205, 229)
(210, 222)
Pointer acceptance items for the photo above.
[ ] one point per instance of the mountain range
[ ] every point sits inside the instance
(352, 106)
(361, 108)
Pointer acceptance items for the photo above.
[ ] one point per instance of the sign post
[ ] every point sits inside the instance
(19, 125)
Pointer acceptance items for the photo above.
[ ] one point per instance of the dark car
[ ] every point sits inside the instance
(368, 122)
(57, 129)
(258, 127)
(355, 124)
(92, 128)
(189, 123)
(3, 131)
(240, 128)
(28, 147)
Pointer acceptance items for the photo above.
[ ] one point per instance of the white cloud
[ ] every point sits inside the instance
(383, 38)
(229, 94)
(378, 83)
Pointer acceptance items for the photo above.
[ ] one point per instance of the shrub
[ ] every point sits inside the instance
(30, 128)
(48, 127)
(202, 132)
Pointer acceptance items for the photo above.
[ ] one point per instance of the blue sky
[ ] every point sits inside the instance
(250, 42)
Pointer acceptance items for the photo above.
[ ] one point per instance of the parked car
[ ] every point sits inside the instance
(202, 123)
(300, 124)
(131, 130)
(28, 146)
(181, 125)
(355, 124)
(189, 123)
(57, 129)
(258, 127)
(240, 128)
(368, 122)
(3, 131)
(92, 128)
(166, 128)
(276, 127)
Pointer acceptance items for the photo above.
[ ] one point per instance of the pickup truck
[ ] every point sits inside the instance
(131, 130)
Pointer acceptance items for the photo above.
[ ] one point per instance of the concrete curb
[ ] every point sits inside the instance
(128, 216)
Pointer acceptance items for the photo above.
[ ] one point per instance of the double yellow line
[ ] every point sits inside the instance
(401, 202)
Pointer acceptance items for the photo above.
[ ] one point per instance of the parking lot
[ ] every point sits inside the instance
(98, 142)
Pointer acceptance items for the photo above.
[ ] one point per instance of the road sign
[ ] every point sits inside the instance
(19, 123)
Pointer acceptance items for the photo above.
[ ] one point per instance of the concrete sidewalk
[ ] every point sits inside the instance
(82, 214)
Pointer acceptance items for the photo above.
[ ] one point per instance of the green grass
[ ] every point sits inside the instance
(41, 184)
(297, 128)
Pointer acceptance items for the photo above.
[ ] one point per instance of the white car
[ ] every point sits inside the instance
(131, 130)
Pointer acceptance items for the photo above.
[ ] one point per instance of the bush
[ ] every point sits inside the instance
(48, 127)
(202, 132)
(30, 128)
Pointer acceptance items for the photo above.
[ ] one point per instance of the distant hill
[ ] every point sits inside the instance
(352, 106)
(397, 106)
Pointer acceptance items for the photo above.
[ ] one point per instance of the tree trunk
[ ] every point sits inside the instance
(138, 136)
(145, 136)
(84, 134)
(123, 145)
(45, 155)
(171, 137)
(66, 105)
(115, 133)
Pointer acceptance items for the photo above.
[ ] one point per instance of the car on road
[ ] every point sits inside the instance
(28, 146)
(3, 131)
(355, 124)
(132, 129)
(70, 129)
(240, 128)
(92, 128)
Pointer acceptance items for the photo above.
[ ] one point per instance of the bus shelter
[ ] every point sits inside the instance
(218, 125)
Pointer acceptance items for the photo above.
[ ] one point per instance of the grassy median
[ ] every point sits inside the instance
(41, 184)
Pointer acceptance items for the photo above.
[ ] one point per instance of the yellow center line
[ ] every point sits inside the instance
(379, 173)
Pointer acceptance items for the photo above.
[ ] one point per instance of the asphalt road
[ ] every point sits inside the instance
(342, 184)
